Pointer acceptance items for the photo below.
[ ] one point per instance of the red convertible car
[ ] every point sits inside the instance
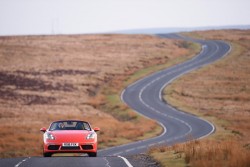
(70, 136)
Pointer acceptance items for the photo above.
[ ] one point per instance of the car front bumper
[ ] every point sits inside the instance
(53, 147)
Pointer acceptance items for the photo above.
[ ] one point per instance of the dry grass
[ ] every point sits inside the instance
(46, 78)
(204, 153)
(221, 94)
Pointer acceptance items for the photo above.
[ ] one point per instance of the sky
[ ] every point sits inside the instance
(22, 17)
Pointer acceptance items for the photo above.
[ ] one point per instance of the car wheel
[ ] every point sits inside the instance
(47, 154)
(94, 154)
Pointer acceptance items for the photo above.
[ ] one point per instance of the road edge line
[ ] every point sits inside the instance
(126, 161)
(20, 162)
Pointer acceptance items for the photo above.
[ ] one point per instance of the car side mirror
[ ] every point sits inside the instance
(96, 129)
(43, 130)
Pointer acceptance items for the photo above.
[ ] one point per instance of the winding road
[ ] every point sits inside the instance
(145, 98)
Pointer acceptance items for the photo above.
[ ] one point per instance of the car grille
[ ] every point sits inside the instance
(70, 148)
(87, 147)
(53, 147)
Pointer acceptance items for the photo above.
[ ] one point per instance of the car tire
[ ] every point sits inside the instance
(47, 154)
(94, 154)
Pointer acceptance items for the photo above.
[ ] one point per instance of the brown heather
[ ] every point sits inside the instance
(220, 93)
(48, 78)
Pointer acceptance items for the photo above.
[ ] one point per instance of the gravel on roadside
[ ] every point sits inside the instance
(142, 160)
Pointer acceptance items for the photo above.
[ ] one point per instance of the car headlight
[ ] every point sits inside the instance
(90, 136)
(49, 136)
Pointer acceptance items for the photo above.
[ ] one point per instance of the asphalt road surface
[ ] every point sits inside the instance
(144, 96)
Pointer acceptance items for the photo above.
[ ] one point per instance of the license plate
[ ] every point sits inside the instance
(70, 144)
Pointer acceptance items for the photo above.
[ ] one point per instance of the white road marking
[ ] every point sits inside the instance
(161, 142)
(128, 150)
(187, 66)
(107, 164)
(166, 115)
(151, 145)
(126, 161)
(141, 147)
(119, 153)
(19, 163)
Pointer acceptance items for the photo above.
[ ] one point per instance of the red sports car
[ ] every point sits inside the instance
(70, 136)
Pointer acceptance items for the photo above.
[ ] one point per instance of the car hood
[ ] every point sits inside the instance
(70, 135)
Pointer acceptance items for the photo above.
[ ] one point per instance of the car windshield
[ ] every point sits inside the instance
(69, 125)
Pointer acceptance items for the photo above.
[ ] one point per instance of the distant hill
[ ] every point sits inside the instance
(178, 29)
